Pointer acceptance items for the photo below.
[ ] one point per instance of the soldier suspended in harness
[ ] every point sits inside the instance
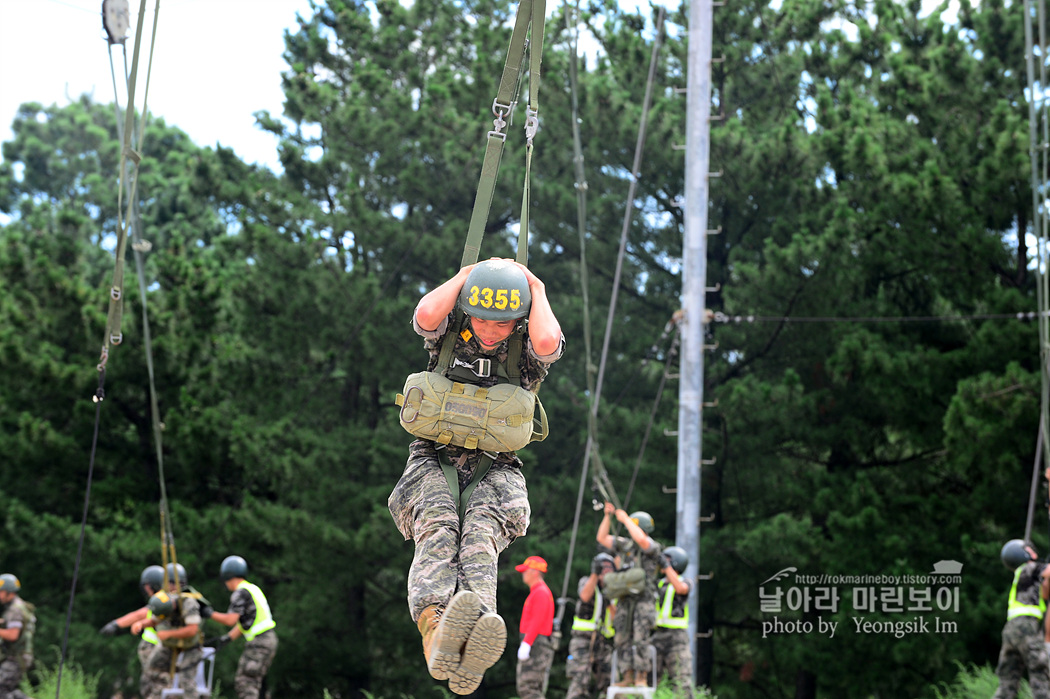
(634, 586)
(462, 499)
(176, 614)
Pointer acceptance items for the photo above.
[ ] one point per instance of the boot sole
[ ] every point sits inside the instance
(453, 629)
(484, 647)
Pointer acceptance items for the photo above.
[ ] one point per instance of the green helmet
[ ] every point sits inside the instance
(644, 521)
(678, 557)
(233, 567)
(496, 290)
(9, 583)
(1014, 554)
(172, 569)
(152, 576)
(161, 605)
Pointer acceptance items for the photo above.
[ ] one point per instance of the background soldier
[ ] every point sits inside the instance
(249, 615)
(635, 610)
(671, 635)
(151, 581)
(176, 615)
(1023, 633)
(536, 652)
(591, 624)
(16, 637)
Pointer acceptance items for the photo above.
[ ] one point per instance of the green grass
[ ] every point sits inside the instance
(76, 684)
(974, 682)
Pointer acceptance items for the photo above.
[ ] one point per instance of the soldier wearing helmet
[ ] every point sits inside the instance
(249, 615)
(635, 611)
(151, 581)
(1023, 645)
(671, 635)
(505, 331)
(175, 614)
(590, 641)
(16, 637)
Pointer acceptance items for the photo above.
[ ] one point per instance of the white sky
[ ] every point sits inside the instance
(215, 62)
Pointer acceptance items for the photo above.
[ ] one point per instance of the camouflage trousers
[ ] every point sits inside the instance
(159, 664)
(1023, 649)
(633, 623)
(533, 671)
(151, 681)
(10, 677)
(674, 660)
(447, 556)
(254, 663)
(588, 665)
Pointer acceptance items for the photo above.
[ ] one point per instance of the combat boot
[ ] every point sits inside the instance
(484, 647)
(446, 646)
(428, 623)
(627, 680)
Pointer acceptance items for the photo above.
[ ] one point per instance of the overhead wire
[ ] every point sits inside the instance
(724, 318)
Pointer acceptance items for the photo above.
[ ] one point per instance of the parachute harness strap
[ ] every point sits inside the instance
(530, 15)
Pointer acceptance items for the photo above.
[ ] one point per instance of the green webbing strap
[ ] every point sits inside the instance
(531, 123)
(460, 500)
(447, 344)
(530, 12)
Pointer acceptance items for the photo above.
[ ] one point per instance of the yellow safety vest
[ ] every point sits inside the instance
(665, 618)
(579, 624)
(263, 619)
(607, 624)
(149, 634)
(1016, 609)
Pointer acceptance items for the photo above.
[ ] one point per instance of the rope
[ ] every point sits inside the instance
(1035, 484)
(100, 394)
(113, 334)
(572, 25)
(652, 414)
(601, 479)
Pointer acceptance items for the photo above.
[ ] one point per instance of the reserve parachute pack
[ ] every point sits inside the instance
(624, 583)
(501, 418)
(196, 639)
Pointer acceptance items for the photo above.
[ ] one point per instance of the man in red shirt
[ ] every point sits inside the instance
(536, 651)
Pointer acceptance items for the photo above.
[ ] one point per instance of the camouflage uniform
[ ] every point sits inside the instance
(531, 677)
(636, 614)
(673, 657)
(17, 656)
(1023, 641)
(160, 659)
(151, 681)
(590, 652)
(258, 653)
(447, 557)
